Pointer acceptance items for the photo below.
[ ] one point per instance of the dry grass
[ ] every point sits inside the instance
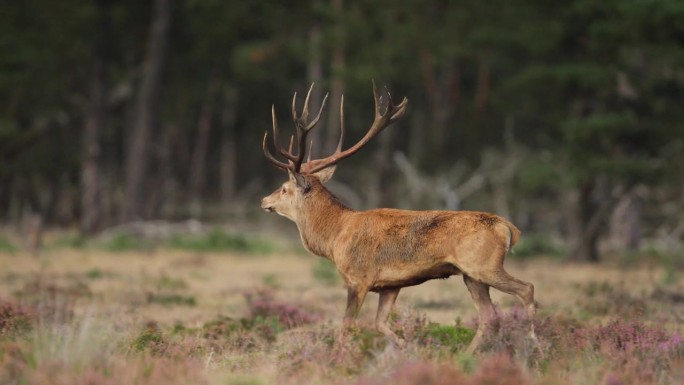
(91, 317)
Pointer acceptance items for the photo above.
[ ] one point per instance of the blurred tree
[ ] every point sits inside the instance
(587, 94)
(92, 209)
(146, 114)
(585, 97)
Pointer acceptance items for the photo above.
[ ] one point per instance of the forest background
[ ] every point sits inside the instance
(567, 119)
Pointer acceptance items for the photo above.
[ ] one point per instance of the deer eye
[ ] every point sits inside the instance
(283, 190)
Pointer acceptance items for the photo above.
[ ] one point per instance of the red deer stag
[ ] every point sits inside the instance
(384, 250)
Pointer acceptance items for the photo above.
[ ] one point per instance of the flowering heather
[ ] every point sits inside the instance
(409, 324)
(645, 352)
(119, 370)
(14, 317)
(637, 337)
(263, 304)
(509, 333)
(498, 369)
(322, 350)
(603, 298)
(58, 331)
(419, 373)
(52, 302)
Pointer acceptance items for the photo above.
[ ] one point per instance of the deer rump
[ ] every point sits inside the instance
(400, 248)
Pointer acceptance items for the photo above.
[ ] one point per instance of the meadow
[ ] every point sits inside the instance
(226, 309)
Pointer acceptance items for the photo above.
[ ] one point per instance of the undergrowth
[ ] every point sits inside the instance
(215, 240)
(6, 246)
(278, 340)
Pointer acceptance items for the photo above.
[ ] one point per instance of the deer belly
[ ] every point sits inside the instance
(402, 277)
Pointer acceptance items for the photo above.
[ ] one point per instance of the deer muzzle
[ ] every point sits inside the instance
(267, 206)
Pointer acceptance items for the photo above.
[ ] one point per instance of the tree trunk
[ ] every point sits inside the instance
(337, 65)
(626, 223)
(416, 144)
(5, 195)
(379, 191)
(91, 186)
(228, 167)
(199, 155)
(146, 119)
(483, 89)
(439, 89)
(431, 93)
(315, 75)
(163, 201)
(576, 206)
(586, 219)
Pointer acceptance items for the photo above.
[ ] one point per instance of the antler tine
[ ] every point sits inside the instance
(377, 100)
(339, 144)
(315, 121)
(389, 100)
(308, 158)
(269, 156)
(400, 109)
(395, 111)
(276, 132)
(303, 128)
(305, 110)
(294, 106)
(276, 137)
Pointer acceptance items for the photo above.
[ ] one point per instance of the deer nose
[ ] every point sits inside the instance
(266, 206)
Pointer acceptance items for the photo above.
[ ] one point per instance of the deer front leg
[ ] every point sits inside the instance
(385, 304)
(355, 297)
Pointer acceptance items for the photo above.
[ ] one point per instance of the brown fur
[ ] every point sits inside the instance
(384, 250)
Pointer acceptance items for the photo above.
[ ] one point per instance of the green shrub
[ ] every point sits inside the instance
(15, 318)
(325, 272)
(151, 338)
(94, 274)
(271, 281)
(72, 241)
(218, 240)
(6, 246)
(369, 341)
(451, 336)
(126, 242)
(223, 327)
(171, 299)
(171, 283)
(534, 245)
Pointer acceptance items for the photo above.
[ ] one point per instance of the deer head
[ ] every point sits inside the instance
(305, 177)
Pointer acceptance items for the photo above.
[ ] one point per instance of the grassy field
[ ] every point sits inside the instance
(198, 315)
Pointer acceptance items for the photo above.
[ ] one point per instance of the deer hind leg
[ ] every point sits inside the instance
(524, 291)
(385, 304)
(485, 309)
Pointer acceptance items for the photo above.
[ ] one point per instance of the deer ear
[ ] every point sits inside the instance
(300, 181)
(325, 174)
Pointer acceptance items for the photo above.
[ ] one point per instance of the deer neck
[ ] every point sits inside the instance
(320, 220)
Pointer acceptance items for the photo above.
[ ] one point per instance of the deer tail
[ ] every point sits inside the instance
(515, 234)
(512, 233)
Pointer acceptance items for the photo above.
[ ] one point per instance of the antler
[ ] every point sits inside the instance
(382, 119)
(303, 126)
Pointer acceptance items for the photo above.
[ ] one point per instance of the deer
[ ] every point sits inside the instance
(384, 250)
